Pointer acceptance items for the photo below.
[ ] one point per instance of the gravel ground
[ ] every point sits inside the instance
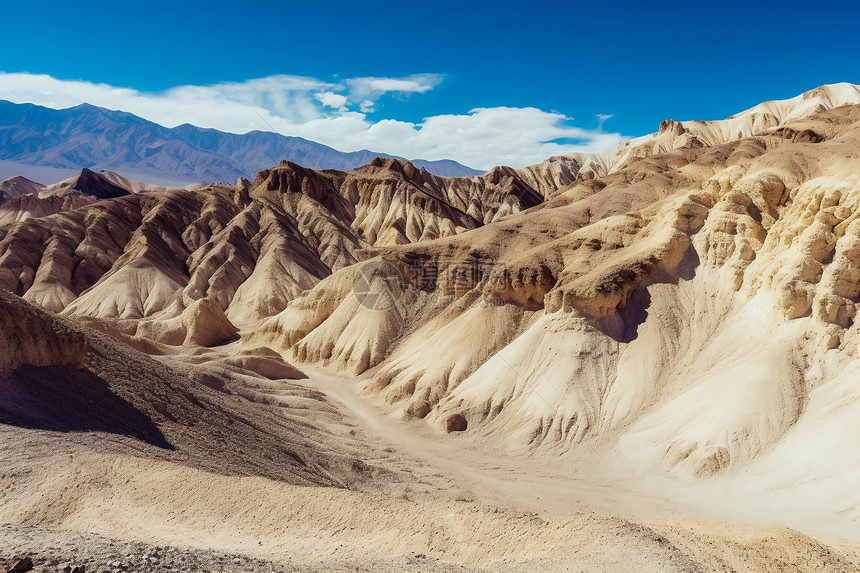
(52, 550)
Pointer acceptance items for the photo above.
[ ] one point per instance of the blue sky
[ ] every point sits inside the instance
(545, 74)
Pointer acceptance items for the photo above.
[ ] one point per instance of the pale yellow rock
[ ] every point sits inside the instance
(206, 325)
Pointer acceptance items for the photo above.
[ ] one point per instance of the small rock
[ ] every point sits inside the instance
(21, 565)
(456, 423)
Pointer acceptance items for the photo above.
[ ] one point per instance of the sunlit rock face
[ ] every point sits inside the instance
(614, 297)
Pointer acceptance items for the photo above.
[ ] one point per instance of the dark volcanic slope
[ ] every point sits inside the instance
(89, 136)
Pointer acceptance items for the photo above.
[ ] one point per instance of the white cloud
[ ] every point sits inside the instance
(374, 87)
(332, 100)
(334, 114)
(231, 106)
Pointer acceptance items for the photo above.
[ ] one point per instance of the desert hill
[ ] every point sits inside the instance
(87, 183)
(15, 187)
(676, 313)
(60, 376)
(26, 199)
(765, 118)
(694, 206)
(177, 461)
(261, 242)
(625, 303)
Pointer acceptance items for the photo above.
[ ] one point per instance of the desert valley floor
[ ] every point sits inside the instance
(414, 499)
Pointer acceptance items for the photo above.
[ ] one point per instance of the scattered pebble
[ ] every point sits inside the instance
(54, 551)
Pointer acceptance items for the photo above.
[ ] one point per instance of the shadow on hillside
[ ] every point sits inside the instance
(66, 400)
(635, 312)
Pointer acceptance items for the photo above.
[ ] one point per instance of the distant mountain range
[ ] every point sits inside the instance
(52, 143)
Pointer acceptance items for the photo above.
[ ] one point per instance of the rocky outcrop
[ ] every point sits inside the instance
(18, 186)
(29, 336)
(321, 214)
(206, 324)
(251, 248)
(32, 207)
(87, 183)
(395, 203)
(21, 565)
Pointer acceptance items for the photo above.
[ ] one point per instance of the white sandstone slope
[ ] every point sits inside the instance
(762, 119)
(679, 311)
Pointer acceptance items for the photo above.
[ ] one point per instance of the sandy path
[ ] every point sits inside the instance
(478, 468)
(558, 485)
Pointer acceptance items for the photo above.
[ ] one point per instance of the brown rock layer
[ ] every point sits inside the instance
(33, 337)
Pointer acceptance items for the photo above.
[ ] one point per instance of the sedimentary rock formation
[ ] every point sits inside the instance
(606, 297)
(713, 267)
(18, 186)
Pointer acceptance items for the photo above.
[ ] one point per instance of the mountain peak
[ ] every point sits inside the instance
(824, 97)
(38, 136)
(18, 186)
(395, 164)
(85, 107)
(88, 182)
